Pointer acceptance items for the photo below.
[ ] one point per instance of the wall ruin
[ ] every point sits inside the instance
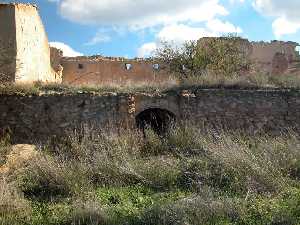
(25, 56)
(56, 56)
(276, 57)
(256, 111)
(107, 70)
(23, 36)
(273, 58)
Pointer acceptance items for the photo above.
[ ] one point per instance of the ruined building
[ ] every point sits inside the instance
(24, 48)
(111, 70)
(275, 57)
(25, 56)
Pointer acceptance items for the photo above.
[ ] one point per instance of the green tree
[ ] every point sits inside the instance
(225, 56)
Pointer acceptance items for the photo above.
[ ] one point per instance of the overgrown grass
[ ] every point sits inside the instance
(36, 89)
(187, 177)
(252, 81)
(205, 80)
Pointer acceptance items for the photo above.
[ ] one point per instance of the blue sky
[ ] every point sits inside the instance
(133, 28)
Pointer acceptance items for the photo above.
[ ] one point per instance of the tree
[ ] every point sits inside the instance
(179, 60)
(225, 56)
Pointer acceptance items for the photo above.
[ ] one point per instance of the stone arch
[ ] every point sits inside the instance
(158, 119)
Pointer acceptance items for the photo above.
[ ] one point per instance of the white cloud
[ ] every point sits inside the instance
(140, 14)
(282, 26)
(236, 1)
(179, 33)
(100, 37)
(220, 27)
(147, 49)
(285, 12)
(178, 19)
(67, 50)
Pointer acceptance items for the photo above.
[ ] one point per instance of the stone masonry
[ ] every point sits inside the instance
(256, 111)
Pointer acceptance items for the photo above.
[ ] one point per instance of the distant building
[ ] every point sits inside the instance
(275, 57)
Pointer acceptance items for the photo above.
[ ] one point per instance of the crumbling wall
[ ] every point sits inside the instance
(56, 56)
(102, 71)
(7, 43)
(255, 111)
(33, 52)
(276, 57)
(24, 47)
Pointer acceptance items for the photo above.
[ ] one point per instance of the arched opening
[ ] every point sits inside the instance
(159, 120)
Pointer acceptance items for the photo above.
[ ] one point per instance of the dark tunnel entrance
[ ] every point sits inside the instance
(159, 120)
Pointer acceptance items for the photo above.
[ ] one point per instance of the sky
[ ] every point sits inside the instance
(135, 28)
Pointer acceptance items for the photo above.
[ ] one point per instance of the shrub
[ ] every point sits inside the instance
(52, 178)
(88, 213)
(226, 56)
(106, 159)
(159, 172)
(282, 209)
(71, 212)
(153, 144)
(252, 166)
(48, 213)
(14, 209)
(199, 172)
(194, 211)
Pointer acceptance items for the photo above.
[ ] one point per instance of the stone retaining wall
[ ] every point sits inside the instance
(39, 117)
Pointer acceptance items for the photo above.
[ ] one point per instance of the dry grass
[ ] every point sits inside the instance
(224, 177)
(29, 89)
(14, 208)
(253, 81)
(204, 80)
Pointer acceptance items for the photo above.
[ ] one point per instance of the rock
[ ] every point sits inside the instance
(19, 155)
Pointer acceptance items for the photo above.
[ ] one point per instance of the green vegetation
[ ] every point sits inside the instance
(188, 177)
(216, 56)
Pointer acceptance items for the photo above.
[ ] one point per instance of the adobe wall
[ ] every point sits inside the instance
(56, 56)
(102, 71)
(40, 117)
(33, 51)
(29, 48)
(275, 57)
(7, 43)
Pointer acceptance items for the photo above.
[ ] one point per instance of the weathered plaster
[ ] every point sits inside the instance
(101, 70)
(25, 39)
